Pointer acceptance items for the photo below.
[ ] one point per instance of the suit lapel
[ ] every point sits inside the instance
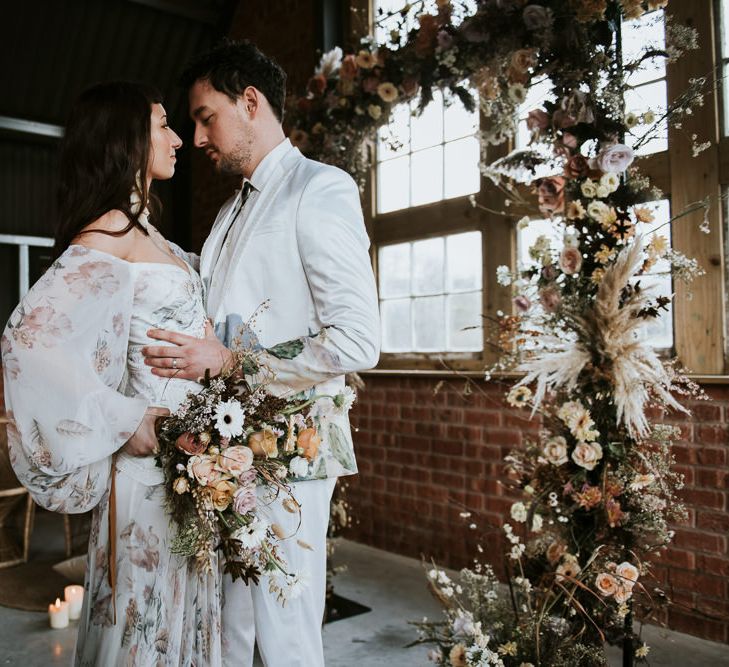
(240, 236)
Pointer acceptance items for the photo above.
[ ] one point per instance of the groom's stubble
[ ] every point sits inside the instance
(240, 156)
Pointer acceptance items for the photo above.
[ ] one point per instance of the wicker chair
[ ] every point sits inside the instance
(17, 510)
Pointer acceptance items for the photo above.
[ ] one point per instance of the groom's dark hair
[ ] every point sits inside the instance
(232, 66)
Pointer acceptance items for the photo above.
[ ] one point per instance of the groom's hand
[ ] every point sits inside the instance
(188, 357)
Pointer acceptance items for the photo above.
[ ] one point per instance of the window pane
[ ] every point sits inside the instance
(428, 267)
(399, 130)
(429, 324)
(659, 331)
(396, 325)
(463, 262)
(465, 329)
(427, 129)
(462, 175)
(526, 237)
(393, 179)
(459, 122)
(394, 270)
(430, 291)
(427, 176)
(639, 34)
(651, 96)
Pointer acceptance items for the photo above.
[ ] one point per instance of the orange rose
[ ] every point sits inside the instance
(222, 494)
(263, 443)
(308, 442)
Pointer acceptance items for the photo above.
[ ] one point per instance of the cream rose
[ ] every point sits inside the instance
(587, 454)
(181, 485)
(236, 460)
(555, 450)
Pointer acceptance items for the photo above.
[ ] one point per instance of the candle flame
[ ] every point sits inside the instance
(58, 602)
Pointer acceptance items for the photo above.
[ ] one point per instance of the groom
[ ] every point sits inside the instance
(293, 237)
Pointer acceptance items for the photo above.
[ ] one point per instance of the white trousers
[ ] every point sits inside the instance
(290, 635)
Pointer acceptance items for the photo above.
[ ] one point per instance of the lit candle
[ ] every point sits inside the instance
(75, 598)
(58, 614)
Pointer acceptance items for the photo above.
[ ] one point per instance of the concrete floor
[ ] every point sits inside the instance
(392, 586)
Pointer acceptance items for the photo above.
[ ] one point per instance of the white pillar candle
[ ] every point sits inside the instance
(58, 614)
(75, 597)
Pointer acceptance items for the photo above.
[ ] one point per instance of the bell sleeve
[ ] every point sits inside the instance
(64, 353)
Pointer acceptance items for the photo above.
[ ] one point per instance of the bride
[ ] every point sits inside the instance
(80, 400)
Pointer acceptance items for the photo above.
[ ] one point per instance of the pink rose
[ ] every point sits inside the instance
(614, 159)
(570, 261)
(236, 460)
(244, 499)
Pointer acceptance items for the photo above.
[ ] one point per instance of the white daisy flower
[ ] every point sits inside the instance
(344, 400)
(299, 466)
(229, 418)
(253, 534)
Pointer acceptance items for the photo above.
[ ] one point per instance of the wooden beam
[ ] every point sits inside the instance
(699, 310)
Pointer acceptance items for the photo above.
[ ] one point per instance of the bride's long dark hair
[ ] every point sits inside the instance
(104, 156)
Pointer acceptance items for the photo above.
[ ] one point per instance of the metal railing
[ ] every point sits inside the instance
(24, 244)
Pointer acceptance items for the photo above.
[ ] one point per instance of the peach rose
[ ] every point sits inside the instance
(570, 261)
(222, 494)
(236, 460)
(181, 485)
(203, 469)
(348, 69)
(263, 443)
(190, 444)
(308, 442)
(607, 585)
(622, 594)
(628, 574)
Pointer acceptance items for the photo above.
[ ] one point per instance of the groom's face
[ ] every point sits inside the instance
(222, 128)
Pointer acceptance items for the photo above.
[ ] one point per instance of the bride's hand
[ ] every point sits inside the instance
(144, 441)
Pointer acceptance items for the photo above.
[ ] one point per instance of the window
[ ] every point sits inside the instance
(427, 158)
(431, 294)
(646, 92)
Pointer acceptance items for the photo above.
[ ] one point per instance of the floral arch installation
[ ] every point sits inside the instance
(598, 489)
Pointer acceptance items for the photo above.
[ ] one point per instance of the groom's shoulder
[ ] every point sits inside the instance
(313, 173)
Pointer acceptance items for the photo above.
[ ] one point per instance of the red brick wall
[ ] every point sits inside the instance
(424, 457)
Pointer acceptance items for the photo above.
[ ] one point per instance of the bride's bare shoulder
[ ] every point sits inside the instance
(111, 233)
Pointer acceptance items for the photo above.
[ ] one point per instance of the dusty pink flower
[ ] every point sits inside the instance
(522, 303)
(615, 158)
(190, 444)
(570, 261)
(537, 119)
(550, 298)
(348, 69)
(236, 460)
(550, 192)
(95, 278)
(317, 84)
(244, 499)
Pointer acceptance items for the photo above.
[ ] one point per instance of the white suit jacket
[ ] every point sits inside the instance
(303, 249)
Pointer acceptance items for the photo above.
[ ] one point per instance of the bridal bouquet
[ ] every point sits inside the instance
(220, 444)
